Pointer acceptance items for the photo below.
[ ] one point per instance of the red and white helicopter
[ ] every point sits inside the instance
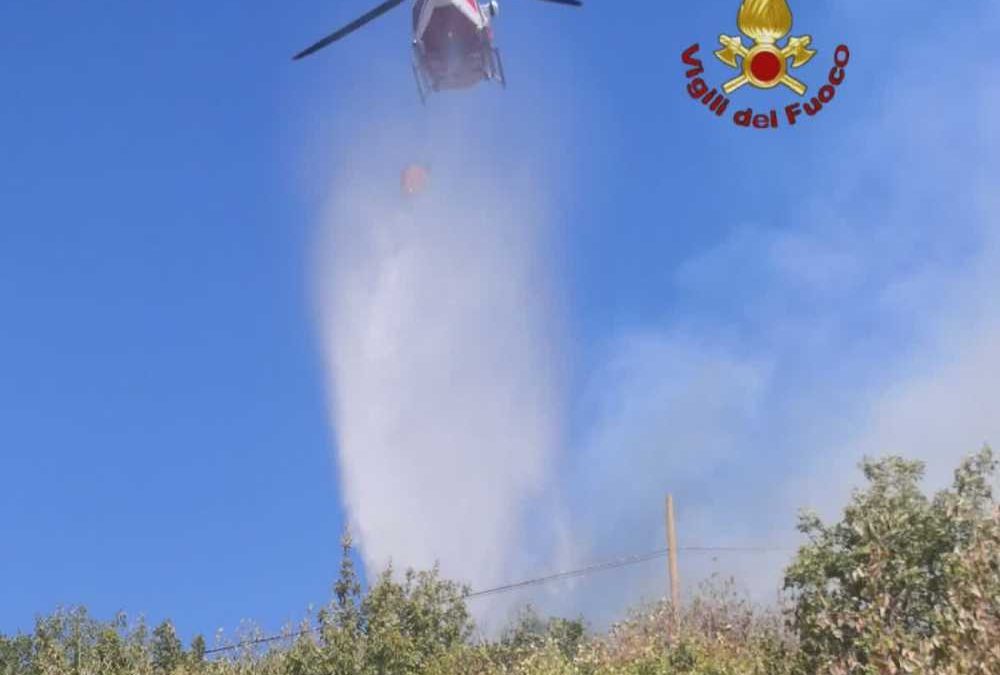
(452, 42)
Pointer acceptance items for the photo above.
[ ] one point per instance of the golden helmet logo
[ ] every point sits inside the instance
(764, 64)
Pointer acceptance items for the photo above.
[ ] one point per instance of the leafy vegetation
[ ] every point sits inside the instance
(902, 583)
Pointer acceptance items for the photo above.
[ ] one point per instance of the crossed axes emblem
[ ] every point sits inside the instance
(764, 64)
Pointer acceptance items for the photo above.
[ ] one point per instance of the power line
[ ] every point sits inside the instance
(623, 562)
(537, 581)
(569, 574)
(262, 640)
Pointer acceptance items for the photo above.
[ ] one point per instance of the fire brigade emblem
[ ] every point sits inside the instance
(765, 64)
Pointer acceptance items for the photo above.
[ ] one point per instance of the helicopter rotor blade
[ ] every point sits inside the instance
(571, 3)
(353, 26)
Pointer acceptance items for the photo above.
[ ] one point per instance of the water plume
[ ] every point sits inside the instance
(439, 334)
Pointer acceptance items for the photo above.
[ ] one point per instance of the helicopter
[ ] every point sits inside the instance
(452, 42)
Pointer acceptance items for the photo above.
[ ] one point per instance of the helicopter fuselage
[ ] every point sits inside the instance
(453, 44)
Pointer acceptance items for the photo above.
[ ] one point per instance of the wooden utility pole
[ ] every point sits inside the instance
(672, 555)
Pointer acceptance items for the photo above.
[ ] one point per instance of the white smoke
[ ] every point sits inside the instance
(867, 327)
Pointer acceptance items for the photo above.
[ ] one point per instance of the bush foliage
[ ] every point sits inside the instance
(902, 583)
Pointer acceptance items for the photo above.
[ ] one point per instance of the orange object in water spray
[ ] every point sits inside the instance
(414, 179)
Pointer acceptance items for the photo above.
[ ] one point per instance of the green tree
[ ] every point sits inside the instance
(885, 589)
(411, 623)
(347, 590)
(49, 655)
(341, 624)
(15, 654)
(530, 631)
(198, 648)
(110, 651)
(167, 651)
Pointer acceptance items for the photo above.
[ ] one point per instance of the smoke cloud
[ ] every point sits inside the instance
(870, 326)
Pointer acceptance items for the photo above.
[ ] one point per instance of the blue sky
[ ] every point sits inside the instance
(200, 252)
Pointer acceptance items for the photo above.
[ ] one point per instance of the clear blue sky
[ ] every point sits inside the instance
(164, 445)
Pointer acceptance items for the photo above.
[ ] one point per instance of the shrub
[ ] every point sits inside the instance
(903, 583)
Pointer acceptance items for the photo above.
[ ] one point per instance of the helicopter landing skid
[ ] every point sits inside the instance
(424, 86)
(498, 74)
(420, 85)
